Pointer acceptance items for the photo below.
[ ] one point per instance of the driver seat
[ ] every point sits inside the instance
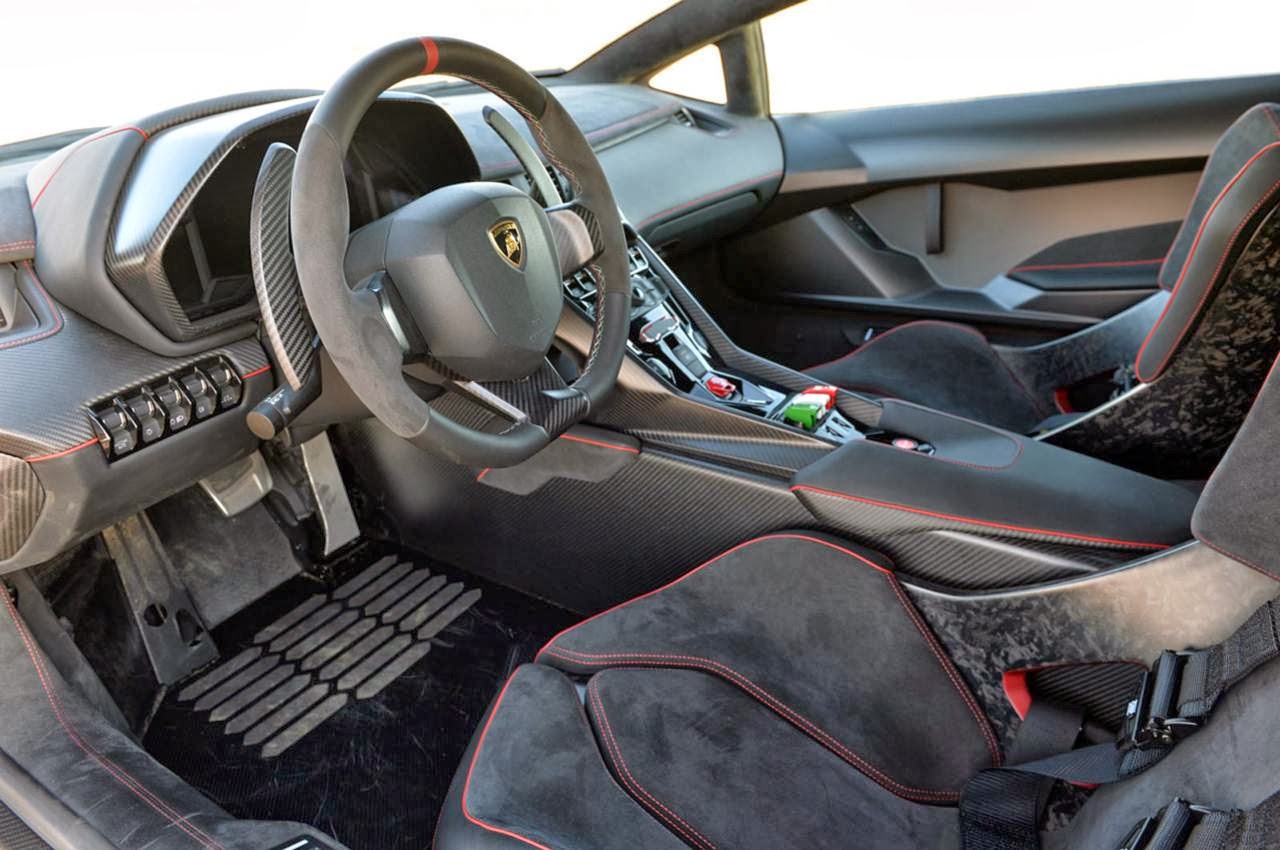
(785, 694)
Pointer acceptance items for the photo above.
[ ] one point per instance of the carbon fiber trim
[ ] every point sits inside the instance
(959, 555)
(644, 407)
(861, 410)
(21, 500)
(530, 395)
(1102, 690)
(137, 268)
(275, 277)
(159, 121)
(583, 545)
(16, 835)
(1179, 425)
(49, 384)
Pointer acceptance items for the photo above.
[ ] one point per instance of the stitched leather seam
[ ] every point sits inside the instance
(1250, 564)
(710, 665)
(945, 663)
(956, 325)
(710, 196)
(120, 774)
(78, 145)
(1108, 541)
(642, 795)
(1105, 264)
(1186, 265)
(53, 308)
(19, 244)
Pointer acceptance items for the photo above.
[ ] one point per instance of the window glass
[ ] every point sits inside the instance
(699, 75)
(838, 54)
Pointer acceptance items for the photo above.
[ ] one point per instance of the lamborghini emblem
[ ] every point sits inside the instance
(506, 239)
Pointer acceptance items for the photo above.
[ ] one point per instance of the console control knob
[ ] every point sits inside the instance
(177, 407)
(117, 430)
(637, 294)
(149, 416)
(226, 382)
(204, 397)
(661, 369)
(720, 386)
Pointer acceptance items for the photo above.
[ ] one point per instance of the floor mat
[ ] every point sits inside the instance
(348, 707)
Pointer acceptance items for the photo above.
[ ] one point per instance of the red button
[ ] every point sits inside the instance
(720, 387)
(905, 443)
(828, 391)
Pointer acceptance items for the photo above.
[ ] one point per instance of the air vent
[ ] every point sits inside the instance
(696, 119)
(685, 117)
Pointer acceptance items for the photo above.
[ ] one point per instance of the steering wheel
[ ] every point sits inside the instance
(467, 278)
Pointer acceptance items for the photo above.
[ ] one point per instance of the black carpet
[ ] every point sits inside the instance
(348, 705)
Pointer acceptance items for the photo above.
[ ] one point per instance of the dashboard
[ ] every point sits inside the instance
(139, 279)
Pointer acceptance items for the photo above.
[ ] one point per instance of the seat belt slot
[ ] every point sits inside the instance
(1152, 718)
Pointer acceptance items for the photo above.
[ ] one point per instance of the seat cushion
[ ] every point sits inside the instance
(941, 365)
(823, 635)
(692, 749)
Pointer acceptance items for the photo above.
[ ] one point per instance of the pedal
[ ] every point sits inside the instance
(176, 640)
(337, 519)
(240, 485)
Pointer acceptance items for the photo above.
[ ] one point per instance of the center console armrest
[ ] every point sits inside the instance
(991, 482)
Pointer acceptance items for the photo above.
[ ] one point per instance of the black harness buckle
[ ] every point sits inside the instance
(1152, 719)
(1170, 827)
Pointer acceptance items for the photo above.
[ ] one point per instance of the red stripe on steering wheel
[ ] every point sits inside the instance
(433, 55)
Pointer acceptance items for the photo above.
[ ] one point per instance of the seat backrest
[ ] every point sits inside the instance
(1237, 193)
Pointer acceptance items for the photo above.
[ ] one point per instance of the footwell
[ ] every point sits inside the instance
(348, 707)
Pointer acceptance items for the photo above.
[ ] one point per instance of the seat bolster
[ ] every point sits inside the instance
(533, 777)
(942, 365)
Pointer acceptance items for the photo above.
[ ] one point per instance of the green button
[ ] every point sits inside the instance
(804, 413)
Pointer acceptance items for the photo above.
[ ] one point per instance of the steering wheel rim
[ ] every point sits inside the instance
(354, 325)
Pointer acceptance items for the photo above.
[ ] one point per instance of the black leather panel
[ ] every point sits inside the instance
(1239, 188)
(1002, 482)
(722, 770)
(803, 625)
(1129, 258)
(533, 777)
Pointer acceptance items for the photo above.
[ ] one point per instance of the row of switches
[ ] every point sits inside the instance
(142, 416)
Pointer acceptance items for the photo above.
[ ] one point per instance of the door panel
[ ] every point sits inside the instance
(1027, 216)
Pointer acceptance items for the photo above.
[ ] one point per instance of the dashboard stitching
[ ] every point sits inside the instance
(57, 313)
(82, 143)
(709, 196)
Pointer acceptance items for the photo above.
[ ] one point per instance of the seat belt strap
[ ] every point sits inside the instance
(1002, 806)
(1183, 826)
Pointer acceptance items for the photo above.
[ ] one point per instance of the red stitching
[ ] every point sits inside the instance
(596, 133)
(1186, 265)
(57, 314)
(673, 820)
(256, 372)
(78, 145)
(654, 659)
(18, 244)
(1049, 267)
(862, 348)
(1271, 113)
(949, 669)
(475, 756)
(121, 775)
(718, 193)
(1124, 544)
(1245, 561)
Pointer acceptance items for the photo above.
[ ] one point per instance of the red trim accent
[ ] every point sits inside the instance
(614, 752)
(433, 55)
(1015, 687)
(571, 438)
(1062, 400)
(1127, 544)
(483, 473)
(475, 756)
(77, 147)
(1049, 267)
(256, 372)
(708, 563)
(120, 774)
(64, 452)
(1186, 265)
(21, 242)
(763, 696)
(718, 193)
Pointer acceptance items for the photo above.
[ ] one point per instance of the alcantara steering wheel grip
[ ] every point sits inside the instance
(468, 276)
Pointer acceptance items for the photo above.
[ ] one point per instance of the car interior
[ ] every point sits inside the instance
(556, 461)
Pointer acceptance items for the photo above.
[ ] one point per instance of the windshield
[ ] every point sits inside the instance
(99, 64)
